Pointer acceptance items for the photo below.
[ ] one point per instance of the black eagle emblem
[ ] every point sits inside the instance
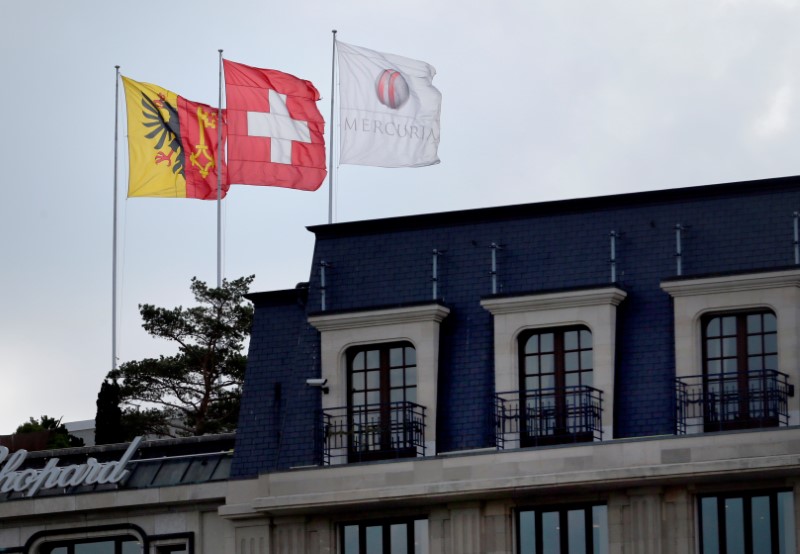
(166, 131)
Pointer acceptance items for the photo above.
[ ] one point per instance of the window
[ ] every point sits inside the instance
(99, 545)
(516, 320)
(697, 302)
(392, 537)
(563, 530)
(558, 402)
(384, 419)
(343, 333)
(740, 359)
(751, 523)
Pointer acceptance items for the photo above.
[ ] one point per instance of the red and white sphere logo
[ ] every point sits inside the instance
(392, 89)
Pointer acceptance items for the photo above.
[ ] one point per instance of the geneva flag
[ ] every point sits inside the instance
(172, 144)
(389, 109)
(275, 131)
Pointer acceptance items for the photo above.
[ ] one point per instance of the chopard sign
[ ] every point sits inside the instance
(31, 481)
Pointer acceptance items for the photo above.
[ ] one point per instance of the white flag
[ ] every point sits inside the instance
(389, 109)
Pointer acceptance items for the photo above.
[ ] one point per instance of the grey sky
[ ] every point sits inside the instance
(541, 100)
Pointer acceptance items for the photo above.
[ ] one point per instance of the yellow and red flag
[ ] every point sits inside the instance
(172, 144)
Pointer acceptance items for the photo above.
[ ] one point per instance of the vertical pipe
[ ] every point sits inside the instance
(796, 215)
(114, 231)
(435, 277)
(322, 266)
(494, 247)
(614, 256)
(678, 249)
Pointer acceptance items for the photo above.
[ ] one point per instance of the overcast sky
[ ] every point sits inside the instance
(542, 100)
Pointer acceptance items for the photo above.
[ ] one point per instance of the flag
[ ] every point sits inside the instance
(389, 109)
(275, 131)
(172, 144)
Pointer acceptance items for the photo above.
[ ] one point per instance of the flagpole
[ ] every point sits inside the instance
(114, 232)
(219, 177)
(330, 141)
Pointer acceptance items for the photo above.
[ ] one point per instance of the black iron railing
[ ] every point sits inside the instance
(548, 416)
(725, 401)
(371, 432)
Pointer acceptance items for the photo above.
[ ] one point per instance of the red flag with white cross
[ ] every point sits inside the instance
(275, 131)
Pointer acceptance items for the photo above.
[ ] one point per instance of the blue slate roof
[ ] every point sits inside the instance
(729, 228)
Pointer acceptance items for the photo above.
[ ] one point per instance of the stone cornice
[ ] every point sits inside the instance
(372, 318)
(732, 283)
(545, 301)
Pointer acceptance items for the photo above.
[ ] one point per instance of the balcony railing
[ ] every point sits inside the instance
(548, 416)
(725, 401)
(371, 432)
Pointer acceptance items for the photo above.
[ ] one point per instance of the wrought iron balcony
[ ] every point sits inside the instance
(548, 416)
(371, 432)
(725, 401)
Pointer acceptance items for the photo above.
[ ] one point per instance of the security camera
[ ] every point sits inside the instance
(319, 383)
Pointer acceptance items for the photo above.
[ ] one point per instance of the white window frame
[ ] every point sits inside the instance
(778, 291)
(418, 325)
(595, 308)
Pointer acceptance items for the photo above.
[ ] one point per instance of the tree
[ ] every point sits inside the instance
(197, 390)
(58, 436)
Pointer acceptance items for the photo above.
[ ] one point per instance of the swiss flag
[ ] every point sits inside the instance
(275, 131)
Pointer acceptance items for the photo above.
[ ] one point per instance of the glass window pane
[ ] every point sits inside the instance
(375, 540)
(548, 381)
(586, 360)
(532, 365)
(551, 541)
(571, 340)
(395, 357)
(527, 533)
(358, 380)
(729, 325)
(135, 547)
(373, 359)
(600, 529)
(547, 365)
(351, 545)
(421, 536)
(373, 397)
(786, 532)
(532, 345)
(396, 395)
(729, 346)
(713, 366)
(710, 530)
(546, 344)
(770, 323)
(572, 379)
(712, 330)
(576, 532)
(58, 550)
(771, 362)
(411, 395)
(755, 363)
(713, 348)
(730, 365)
(754, 344)
(398, 538)
(586, 339)
(762, 540)
(587, 378)
(411, 376)
(104, 547)
(754, 323)
(771, 343)
(571, 361)
(411, 355)
(358, 361)
(734, 525)
(358, 399)
(532, 383)
(396, 377)
(373, 379)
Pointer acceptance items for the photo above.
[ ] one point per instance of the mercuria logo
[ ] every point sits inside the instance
(392, 89)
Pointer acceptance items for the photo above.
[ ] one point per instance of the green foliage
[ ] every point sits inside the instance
(197, 390)
(59, 436)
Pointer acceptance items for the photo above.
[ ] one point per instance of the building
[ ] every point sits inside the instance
(603, 375)
(610, 374)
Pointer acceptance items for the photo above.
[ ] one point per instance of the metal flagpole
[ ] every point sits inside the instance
(219, 177)
(330, 141)
(114, 232)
